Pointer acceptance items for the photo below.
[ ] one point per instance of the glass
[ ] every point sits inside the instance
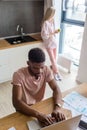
(72, 41)
(75, 9)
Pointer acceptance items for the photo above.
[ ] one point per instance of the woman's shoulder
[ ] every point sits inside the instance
(46, 22)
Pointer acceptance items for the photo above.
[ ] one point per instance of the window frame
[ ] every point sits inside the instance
(67, 21)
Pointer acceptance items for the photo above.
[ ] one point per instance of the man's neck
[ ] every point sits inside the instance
(32, 74)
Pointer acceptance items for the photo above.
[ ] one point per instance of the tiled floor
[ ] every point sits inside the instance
(6, 107)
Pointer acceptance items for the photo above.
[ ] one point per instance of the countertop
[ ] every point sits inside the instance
(5, 45)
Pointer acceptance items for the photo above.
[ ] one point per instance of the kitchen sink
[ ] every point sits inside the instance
(20, 39)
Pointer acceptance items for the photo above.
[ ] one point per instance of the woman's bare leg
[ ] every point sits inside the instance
(55, 54)
(52, 55)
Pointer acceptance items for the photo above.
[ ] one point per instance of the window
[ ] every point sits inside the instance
(72, 26)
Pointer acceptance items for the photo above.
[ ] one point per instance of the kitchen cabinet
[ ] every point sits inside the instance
(12, 59)
(4, 65)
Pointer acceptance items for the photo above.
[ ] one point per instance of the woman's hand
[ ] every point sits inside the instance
(57, 31)
(45, 120)
(58, 115)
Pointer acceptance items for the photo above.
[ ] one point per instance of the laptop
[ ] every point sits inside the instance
(69, 124)
(83, 125)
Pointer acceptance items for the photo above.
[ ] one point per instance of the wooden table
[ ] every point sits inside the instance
(19, 120)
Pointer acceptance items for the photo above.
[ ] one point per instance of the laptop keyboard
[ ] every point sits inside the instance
(83, 125)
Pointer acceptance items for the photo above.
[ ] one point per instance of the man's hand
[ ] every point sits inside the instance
(45, 120)
(58, 115)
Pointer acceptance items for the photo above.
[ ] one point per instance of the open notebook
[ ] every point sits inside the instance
(69, 124)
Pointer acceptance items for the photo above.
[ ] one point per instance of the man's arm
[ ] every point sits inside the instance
(19, 104)
(22, 107)
(57, 98)
(57, 95)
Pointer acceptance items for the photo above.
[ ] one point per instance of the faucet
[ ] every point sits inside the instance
(20, 28)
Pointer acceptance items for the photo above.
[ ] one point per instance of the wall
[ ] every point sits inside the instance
(58, 7)
(82, 70)
(26, 13)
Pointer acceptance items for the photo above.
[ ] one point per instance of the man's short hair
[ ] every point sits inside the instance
(36, 55)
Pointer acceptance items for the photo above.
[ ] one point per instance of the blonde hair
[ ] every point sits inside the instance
(49, 14)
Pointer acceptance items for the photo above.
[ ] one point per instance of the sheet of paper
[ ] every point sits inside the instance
(77, 101)
(74, 112)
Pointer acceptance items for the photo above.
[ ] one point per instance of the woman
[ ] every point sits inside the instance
(48, 35)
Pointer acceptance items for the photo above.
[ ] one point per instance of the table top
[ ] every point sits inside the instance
(19, 120)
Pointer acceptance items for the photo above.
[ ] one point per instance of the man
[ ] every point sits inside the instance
(29, 85)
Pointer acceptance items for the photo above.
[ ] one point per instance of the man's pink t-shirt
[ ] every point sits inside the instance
(33, 89)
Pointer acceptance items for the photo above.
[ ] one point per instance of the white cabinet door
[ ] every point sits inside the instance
(4, 65)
